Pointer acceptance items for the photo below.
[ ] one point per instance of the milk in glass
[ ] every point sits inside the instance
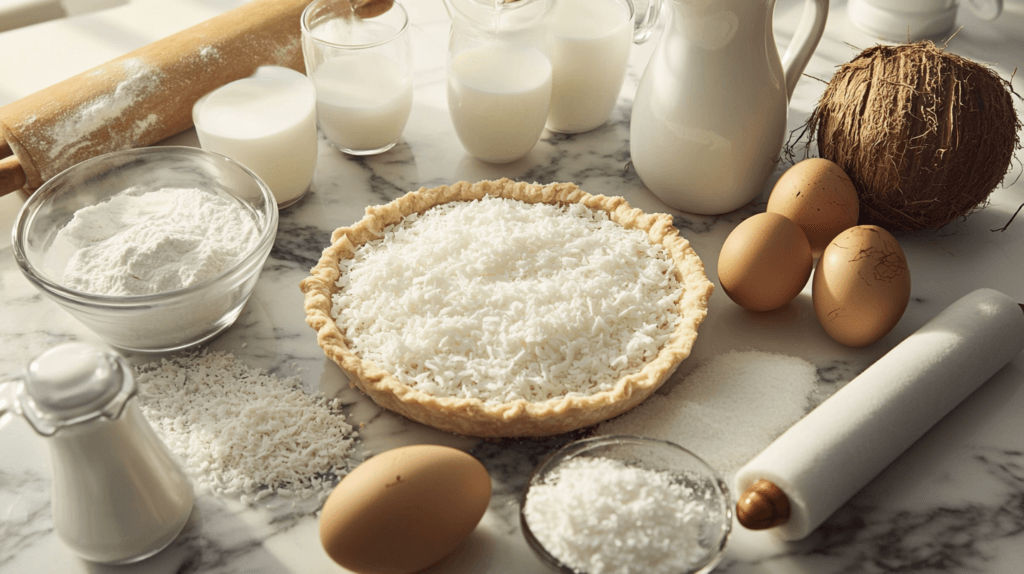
(266, 122)
(363, 102)
(590, 45)
(362, 72)
(498, 96)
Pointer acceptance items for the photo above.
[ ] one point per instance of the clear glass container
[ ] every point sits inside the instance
(499, 76)
(159, 322)
(703, 497)
(362, 70)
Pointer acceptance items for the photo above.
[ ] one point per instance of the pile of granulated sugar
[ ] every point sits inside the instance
(500, 300)
(598, 515)
(243, 432)
(726, 410)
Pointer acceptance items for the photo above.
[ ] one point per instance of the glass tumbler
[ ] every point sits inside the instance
(499, 76)
(362, 71)
(590, 44)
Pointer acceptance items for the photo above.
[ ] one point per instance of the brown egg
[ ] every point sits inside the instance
(765, 262)
(817, 195)
(861, 285)
(403, 510)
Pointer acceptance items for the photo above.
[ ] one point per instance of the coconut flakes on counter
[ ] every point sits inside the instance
(500, 300)
(241, 431)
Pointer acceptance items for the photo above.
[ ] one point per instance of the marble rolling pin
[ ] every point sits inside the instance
(825, 458)
(144, 96)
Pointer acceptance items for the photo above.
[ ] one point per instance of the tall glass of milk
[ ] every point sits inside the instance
(590, 44)
(266, 122)
(362, 71)
(499, 76)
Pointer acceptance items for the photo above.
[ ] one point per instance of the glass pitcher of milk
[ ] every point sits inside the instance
(499, 75)
(118, 494)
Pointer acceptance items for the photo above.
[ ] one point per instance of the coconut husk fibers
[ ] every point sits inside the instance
(925, 135)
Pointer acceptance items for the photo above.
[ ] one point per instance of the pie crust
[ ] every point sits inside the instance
(474, 417)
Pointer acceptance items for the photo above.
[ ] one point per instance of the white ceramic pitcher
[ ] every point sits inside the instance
(709, 117)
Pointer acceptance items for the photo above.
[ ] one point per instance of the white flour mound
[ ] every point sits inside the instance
(140, 243)
(502, 300)
(726, 410)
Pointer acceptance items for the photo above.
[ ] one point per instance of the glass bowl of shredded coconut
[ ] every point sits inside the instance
(626, 505)
(153, 249)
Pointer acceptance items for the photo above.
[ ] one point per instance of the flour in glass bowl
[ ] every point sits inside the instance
(141, 243)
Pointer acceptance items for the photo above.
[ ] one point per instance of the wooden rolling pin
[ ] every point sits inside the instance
(147, 95)
(144, 96)
(833, 452)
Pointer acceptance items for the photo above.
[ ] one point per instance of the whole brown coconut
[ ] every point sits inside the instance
(925, 135)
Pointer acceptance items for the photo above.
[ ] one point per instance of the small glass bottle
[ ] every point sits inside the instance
(118, 494)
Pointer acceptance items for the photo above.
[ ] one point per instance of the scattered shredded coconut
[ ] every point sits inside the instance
(243, 432)
(500, 300)
(139, 242)
(600, 516)
(728, 409)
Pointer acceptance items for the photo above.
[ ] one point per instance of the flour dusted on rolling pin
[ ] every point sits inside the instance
(147, 95)
(64, 137)
(834, 451)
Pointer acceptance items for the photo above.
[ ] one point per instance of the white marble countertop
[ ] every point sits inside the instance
(952, 503)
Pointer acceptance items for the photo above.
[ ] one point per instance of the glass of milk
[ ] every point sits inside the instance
(499, 76)
(266, 122)
(590, 44)
(362, 71)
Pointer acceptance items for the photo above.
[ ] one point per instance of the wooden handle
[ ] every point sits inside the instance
(12, 175)
(147, 95)
(763, 506)
(371, 8)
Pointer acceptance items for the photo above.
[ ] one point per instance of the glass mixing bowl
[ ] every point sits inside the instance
(580, 517)
(159, 322)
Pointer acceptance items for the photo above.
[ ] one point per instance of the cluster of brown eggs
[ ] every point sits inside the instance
(861, 283)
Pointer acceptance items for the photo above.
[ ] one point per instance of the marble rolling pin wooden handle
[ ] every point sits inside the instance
(144, 96)
(825, 458)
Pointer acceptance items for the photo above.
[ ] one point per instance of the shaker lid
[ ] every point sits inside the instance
(73, 380)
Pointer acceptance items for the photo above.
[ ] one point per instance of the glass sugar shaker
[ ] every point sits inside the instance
(118, 494)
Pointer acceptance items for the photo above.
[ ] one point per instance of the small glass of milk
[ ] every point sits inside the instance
(499, 76)
(266, 122)
(590, 45)
(362, 71)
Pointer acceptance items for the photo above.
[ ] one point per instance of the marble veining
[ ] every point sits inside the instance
(953, 503)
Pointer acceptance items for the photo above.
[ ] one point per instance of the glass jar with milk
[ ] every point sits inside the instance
(590, 41)
(361, 67)
(499, 76)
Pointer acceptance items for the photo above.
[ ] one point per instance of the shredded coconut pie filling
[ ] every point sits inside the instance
(488, 300)
(499, 300)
